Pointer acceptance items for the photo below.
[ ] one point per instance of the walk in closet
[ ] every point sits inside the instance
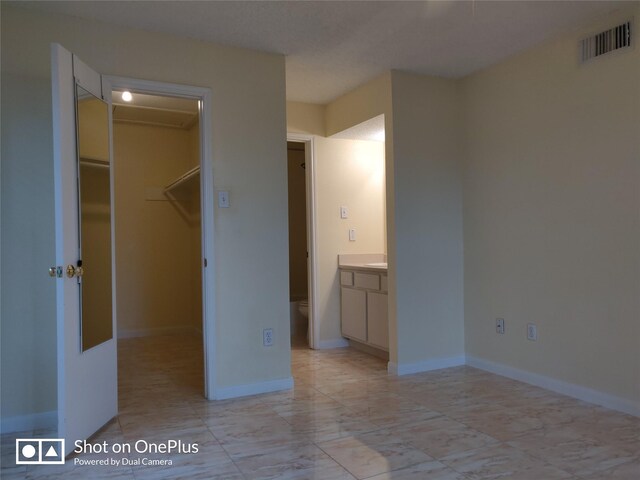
(157, 216)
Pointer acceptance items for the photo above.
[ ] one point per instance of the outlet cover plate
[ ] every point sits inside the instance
(532, 332)
(267, 337)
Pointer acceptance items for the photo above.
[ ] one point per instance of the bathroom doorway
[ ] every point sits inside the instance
(298, 244)
(302, 245)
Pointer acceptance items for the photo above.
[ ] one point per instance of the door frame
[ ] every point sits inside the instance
(312, 242)
(207, 215)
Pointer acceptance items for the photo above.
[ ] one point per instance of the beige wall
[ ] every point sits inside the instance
(427, 210)
(349, 173)
(155, 265)
(306, 118)
(363, 103)
(297, 195)
(28, 294)
(250, 240)
(552, 214)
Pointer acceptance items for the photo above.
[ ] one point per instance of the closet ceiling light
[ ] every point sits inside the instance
(126, 96)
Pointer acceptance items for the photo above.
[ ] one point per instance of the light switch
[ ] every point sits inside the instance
(352, 234)
(344, 212)
(223, 199)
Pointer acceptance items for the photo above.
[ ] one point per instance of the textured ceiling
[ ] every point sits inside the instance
(372, 130)
(332, 47)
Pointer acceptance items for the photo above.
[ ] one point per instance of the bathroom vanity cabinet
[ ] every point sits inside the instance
(363, 305)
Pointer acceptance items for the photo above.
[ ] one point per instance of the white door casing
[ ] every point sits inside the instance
(87, 381)
(204, 97)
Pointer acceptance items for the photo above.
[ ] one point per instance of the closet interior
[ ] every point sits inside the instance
(156, 144)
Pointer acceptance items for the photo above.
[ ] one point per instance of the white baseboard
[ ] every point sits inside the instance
(559, 386)
(158, 331)
(253, 389)
(33, 421)
(336, 343)
(425, 366)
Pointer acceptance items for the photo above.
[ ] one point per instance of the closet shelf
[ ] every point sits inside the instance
(191, 174)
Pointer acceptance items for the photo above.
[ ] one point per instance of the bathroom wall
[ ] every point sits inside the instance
(349, 173)
(296, 186)
(250, 237)
(155, 254)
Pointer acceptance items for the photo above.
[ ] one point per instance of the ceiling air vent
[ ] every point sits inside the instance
(604, 42)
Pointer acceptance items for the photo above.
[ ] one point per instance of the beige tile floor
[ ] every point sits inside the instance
(347, 419)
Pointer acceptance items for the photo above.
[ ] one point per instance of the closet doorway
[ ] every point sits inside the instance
(162, 232)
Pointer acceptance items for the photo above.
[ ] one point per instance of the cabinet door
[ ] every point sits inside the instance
(353, 310)
(378, 323)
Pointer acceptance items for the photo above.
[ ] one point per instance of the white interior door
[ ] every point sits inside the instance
(87, 368)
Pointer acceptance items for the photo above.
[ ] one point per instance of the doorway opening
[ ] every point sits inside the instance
(159, 256)
(298, 244)
(302, 231)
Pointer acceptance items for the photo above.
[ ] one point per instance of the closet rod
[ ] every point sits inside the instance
(187, 176)
(90, 162)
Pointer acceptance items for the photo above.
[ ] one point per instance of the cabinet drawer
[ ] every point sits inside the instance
(346, 278)
(383, 283)
(367, 280)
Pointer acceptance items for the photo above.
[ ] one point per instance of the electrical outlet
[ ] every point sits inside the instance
(532, 332)
(267, 337)
(500, 326)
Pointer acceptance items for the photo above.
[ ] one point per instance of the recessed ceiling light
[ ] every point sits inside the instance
(126, 96)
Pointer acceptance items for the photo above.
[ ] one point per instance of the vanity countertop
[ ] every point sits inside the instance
(374, 262)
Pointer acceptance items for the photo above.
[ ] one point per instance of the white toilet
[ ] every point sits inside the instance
(303, 308)
(299, 318)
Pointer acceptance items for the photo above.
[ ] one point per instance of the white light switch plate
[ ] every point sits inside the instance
(352, 234)
(344, 212)
(223, 199)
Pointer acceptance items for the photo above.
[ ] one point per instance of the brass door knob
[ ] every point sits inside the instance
(71, 271)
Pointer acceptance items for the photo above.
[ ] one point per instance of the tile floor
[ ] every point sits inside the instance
(347, 419)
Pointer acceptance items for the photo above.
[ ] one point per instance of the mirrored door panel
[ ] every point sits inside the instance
(95, 219)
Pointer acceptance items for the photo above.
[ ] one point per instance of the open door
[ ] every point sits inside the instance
(84, 271)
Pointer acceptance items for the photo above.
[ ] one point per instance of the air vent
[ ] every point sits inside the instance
(605, 42)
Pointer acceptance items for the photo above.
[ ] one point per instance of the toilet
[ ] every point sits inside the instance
(299, 316)
(303, 308)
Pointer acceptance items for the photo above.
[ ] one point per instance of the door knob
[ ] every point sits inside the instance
(71, 271)
(74, 271)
